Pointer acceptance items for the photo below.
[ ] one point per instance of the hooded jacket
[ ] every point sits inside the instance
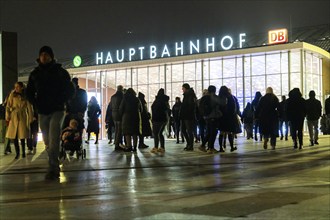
(49, 88)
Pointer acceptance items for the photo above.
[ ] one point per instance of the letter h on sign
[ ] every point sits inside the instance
(278, 36)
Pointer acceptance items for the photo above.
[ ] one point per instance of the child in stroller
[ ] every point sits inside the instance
(72, 139)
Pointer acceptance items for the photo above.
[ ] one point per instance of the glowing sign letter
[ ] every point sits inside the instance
(109, 58)
(192, 45)
(165, 51)
(209, 44)
(141, 52)
(122, 56)
(99, 58)
(241, 40)
(153, 52)
(131, 53)
(178, 48)
(278, 36)
(230, 45)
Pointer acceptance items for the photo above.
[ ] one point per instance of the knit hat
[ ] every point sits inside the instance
(47, 50)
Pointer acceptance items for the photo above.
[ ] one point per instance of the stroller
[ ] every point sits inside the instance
(71, 138)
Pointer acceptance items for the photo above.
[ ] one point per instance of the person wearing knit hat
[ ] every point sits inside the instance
(46, 55)
(49, 89)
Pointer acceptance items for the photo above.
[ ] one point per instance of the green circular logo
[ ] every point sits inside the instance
(77, 61)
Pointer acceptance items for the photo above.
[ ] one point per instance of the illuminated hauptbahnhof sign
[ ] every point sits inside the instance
(180, 49)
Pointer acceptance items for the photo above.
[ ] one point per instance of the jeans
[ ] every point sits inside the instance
(118, 133)
(313, 129)
(187, 128)
(50, 126)
(158, 129)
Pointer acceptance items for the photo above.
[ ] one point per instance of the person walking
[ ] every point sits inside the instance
(130, 109)
(187, 115)
(313, 114)
(19, 115)
(93, 114)
(255, 103)
(109, 124)
(267, 115)
(176, 117)
(160, 110)
(33, 136)
(49, 88)
(296, 112)
(115, 102)
(283, 118)
(247, 119)
(145, 120)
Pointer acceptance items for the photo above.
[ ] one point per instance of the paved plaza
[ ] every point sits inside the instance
(250, 183)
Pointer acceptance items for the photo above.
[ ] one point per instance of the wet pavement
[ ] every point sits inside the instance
(250, 183)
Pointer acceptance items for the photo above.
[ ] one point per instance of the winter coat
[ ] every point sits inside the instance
(93, 113)
(130, 109)
(78, 103)
(19, 113)
(267, 114)
(327, 106)
(188, 106)
(49, 87)
(282, 111)
(313, 109)
(176, 111)
(108, 116)
(145, 119)
(247, 116)
(229, 120)
(115, 102)
(160, 109)
(295, 106)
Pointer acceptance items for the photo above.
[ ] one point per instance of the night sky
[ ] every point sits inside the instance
(84, 27)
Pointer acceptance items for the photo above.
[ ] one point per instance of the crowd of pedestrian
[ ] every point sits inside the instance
(54, 102)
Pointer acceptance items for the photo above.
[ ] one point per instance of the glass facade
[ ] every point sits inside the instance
(243, 74)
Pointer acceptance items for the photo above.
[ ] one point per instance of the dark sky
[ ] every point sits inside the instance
(84, 27)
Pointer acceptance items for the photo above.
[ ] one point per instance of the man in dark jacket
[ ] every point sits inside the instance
(115, 102)
(76, 106)
(49, 88)
(313, 113)
(187, 115)
(283, 118)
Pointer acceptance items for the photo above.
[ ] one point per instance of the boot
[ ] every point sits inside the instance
(17, 151)
(97, 139)
(231, 142)
(23, 151)
(265, 143)
(220, 143)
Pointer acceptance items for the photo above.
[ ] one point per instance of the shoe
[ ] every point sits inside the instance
(188, 149)
(23, 155)
(52, 175)
(17, 156)
(286, 138)
(110, 142)
(312, 143)
(96, 142)
(117, 148)
(281, 137)
(301, 147)
(178, 142)
(255, 138)
(212, 151)
(71, 153)
(161, 150)
(128, 149)
(233, 149)
(7, 152)
(273, 147)
(295, 146)
(154, 150)
(202, 148)
(315, 142)
(221, 150)
(143, 146)
(265, 146)
(87, 142)
(134, 149)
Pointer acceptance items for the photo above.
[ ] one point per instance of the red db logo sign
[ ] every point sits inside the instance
(278, 36)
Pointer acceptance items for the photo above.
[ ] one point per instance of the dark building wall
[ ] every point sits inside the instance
(9, 62)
